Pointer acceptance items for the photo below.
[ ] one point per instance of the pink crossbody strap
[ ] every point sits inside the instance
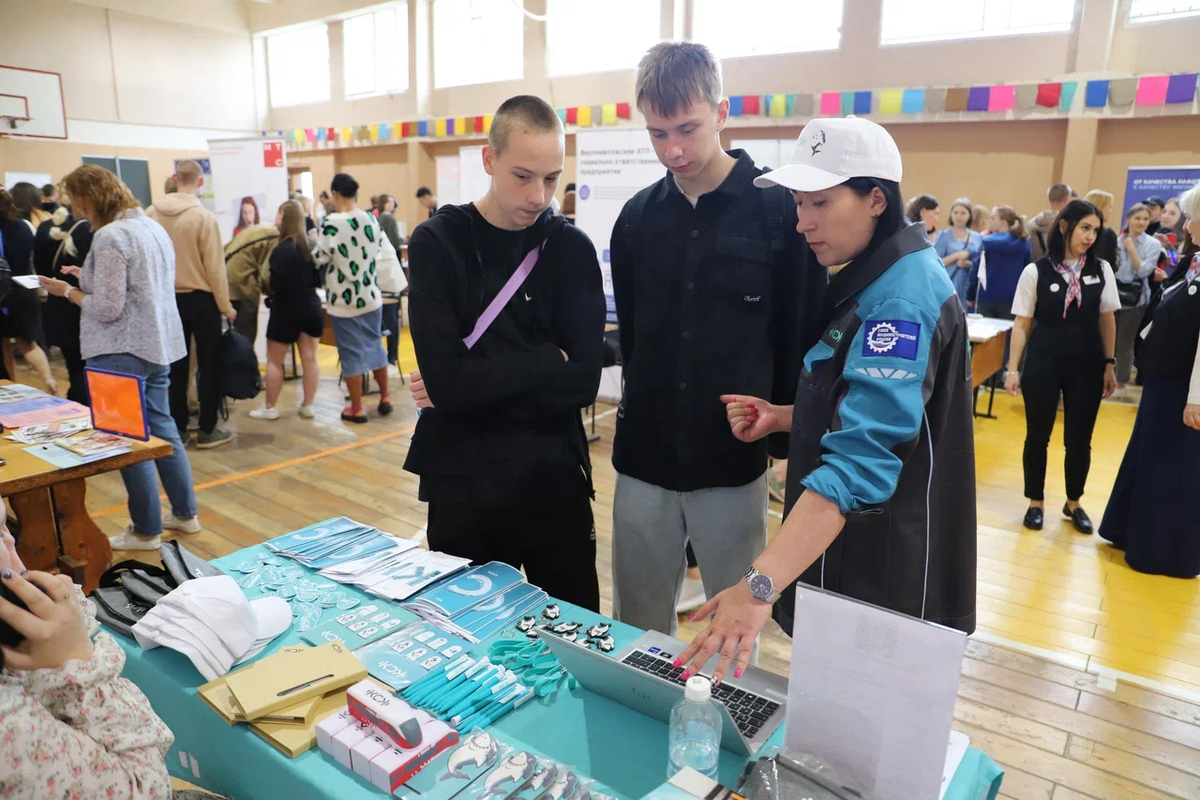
(501, 300)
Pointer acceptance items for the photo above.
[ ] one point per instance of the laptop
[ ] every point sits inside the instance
(641, 677)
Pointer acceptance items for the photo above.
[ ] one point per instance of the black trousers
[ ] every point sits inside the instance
(391, 324)
(556, 544)
(1081, 390)
(78, 390)
(247, 318)
(202, 320)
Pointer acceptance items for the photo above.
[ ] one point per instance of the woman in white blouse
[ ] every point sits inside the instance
(1071, 294)
(1153, 513)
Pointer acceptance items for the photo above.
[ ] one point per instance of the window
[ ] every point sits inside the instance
(767, 27)
(908, 21)
(627, 27)
(477, 41)
(298, 66)
(375, 48)
(1162, 10)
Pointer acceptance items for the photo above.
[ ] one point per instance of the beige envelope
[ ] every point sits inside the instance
(285, 679)
(292, 740)
(220, 699)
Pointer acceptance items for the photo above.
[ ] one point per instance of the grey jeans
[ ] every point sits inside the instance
(651, 527)
(1128, 322)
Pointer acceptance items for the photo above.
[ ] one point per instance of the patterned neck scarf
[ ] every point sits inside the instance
(1193, 269)
(1070, 273)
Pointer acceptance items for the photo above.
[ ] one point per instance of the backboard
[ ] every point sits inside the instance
(31, 103)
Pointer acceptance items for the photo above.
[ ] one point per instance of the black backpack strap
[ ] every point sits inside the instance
(250, 244)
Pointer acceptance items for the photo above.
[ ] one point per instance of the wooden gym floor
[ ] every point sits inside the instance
(1083, 680)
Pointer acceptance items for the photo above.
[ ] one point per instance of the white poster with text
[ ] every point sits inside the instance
(611, 167)
(250, 182)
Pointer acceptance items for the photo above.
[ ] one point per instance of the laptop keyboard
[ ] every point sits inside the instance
(749, 711)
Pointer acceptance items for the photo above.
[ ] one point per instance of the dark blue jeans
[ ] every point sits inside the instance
(176, 473)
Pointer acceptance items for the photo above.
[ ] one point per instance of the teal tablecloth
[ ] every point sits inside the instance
(624, 751)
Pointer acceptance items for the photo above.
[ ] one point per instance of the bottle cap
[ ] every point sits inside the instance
(698, 689)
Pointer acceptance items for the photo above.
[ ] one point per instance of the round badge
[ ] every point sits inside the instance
(1054, 287)
(1192, 289)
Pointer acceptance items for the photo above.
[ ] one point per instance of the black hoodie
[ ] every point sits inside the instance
(505, 429)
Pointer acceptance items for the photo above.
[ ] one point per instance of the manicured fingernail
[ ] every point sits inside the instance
(737, 673)
(716, 681)
(5, 573)
(685, 676)
(677, 663)
(691, 618)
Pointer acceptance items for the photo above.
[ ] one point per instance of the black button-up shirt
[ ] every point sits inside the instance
(718, 299)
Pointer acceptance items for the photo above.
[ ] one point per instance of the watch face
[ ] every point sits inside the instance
(762, 587)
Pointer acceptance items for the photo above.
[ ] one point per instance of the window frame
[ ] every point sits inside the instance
(437, 86)
(550, 4)
(1131, 22)
(306, 64)
(797, 51)
(400, 10)
(983, 34)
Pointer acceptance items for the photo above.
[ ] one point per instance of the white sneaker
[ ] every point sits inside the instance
(306, 412)
(174, 523)
(266, 412)
(129, 540)
(692, 596)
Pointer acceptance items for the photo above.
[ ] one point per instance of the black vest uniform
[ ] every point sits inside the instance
(1065, 356)
(1062, 346)
(1169, 349)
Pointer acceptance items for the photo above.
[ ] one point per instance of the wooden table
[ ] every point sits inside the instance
(987, 359)
(57, 534)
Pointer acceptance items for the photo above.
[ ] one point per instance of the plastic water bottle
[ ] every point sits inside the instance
(695, 737)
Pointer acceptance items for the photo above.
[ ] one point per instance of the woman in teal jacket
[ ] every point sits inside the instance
(881, 468)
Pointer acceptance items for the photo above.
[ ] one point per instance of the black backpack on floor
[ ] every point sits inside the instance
(242, 380)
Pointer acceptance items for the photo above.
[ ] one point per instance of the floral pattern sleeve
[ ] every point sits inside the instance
(81, 732)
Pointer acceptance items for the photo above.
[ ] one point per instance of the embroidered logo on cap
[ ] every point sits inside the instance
(892, 337)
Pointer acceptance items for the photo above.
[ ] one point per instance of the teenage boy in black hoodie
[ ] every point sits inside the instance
(500, 445)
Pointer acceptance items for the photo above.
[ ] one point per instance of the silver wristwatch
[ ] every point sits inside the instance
(761, 586)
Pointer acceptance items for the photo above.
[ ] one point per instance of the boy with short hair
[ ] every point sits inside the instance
(507, 313)
(714, 297)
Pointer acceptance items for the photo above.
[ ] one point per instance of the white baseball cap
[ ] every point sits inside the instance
(211, 621)
(830, 152)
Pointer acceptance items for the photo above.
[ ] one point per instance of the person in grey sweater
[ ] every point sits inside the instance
(130, 324)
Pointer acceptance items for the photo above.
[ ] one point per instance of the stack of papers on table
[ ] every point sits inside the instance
(38, 410)
(477, 602)
(401, 576)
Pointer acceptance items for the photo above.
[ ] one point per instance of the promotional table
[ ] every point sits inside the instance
(624, 751)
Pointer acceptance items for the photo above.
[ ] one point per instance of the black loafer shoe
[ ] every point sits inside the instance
(1033, 518)
(1079, 519)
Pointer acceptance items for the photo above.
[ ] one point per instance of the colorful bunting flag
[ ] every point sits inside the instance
(487, 123)
(1027, 96)
(479, 121)
(406, 130)
(1123, 92)
(423, 128)
(320, 134)
(789, 105)
(978, 98)
(1068, 95)
(804, 105)
(847, 104)
(573, 115)
(751, 104)
(310, 135)
(778, 107)
(862, 102)
(1001, 97)
(935, 100)
(1181, 88)
(439, 127)
(1096, 94)
(891, 101)
(597, 114)
(608, 115)
(623, 111)
(913, 101)
(583, 117)
(331, 134)
(347, 134)
(735, 106)
(463, 126)
(562, 114)
(375, 133)
(831, 104)
(956, 99)
(1049, 94)
(1152, 90)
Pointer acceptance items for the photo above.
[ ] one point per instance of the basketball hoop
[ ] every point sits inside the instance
(8, 123)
